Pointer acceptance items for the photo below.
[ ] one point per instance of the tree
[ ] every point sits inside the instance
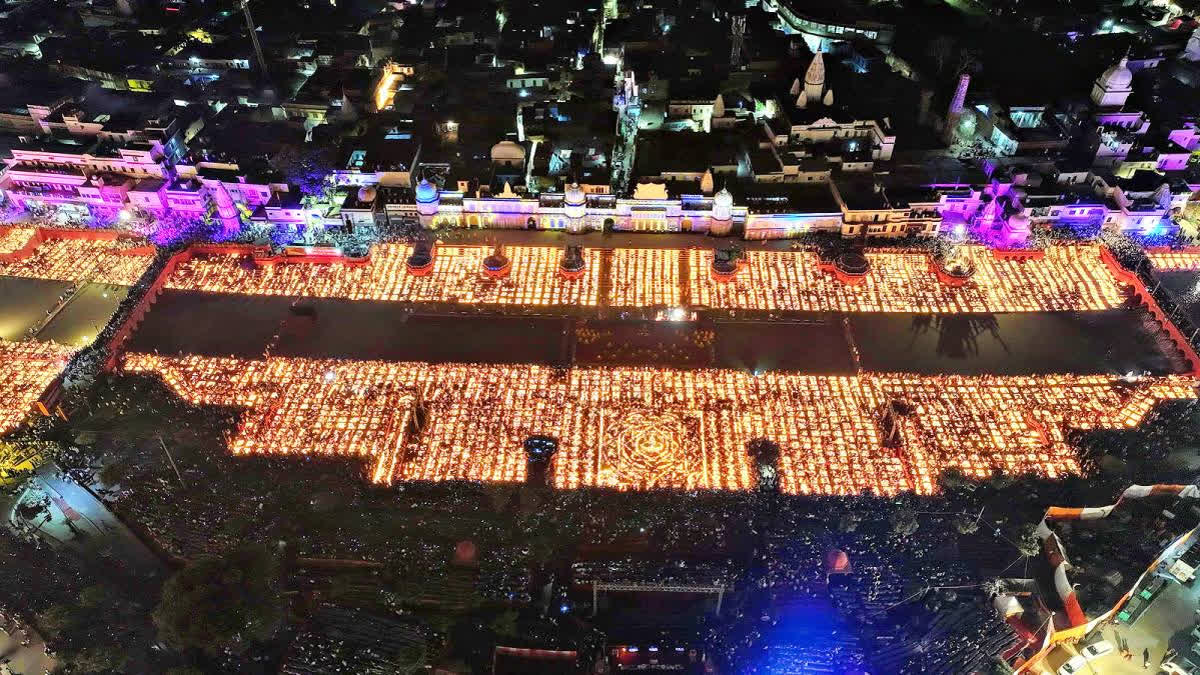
(411, 657)
(57, 619)
(1027, 540)
(505, 623)
(965, 523)
(952, 479)
(97, 659)
(115, 472)
(222, 602)
(968, 60)
(96, 596)
(102, 216)
(175, 228)
(904, 521)
(307, 168)
(10, 210)
(848, 522)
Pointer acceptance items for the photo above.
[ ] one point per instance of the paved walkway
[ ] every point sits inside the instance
(1166, 623)
(80, 521)
(22, 660)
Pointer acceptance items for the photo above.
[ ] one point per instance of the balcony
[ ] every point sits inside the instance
(29, 173)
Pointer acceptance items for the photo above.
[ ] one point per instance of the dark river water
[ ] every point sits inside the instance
(1184, 285)
(25, 302)
(1116, 341)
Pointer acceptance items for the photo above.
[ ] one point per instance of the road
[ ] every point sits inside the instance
(1166, 623)
(82, 522)
(31, 660)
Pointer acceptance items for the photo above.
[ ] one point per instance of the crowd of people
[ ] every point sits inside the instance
(338, 640)
(677, 572)
(891, 582)
(900, 596)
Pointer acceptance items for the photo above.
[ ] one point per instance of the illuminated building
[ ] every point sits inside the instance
(1114, 86)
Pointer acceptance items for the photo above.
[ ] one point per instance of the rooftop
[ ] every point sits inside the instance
(682, 151)
(785, 197)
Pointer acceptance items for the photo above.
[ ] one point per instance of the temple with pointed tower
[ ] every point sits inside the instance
(813, 128)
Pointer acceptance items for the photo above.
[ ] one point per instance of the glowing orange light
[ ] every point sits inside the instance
(29, 368)
(99, 261)
(1067, 278)
(1175, 260)
(456, 277)
(636, 428)
(14, 238)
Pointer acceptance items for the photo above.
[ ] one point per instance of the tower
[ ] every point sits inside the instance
(737, 38)
(427, 199)
(954, 129)
(814, 78)
(262, 62)
(1113, 86)
(629, 108)
(923, 106)
(960, 95)
(575, 208)
(721, 221)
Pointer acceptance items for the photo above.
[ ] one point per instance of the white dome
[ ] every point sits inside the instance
(507, 151)
(426, 191)
(1117, 77)
(366, 194)
(723, 198)
(574, 194)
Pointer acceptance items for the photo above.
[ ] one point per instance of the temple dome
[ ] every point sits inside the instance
(1117, 76)
(575, 195)
(366, 194)
(426, 191)
(508, 153)
(723, 198)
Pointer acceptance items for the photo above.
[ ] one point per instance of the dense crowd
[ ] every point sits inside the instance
(900, 601)
(677, 572)
(337, 640)
(895, 600)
